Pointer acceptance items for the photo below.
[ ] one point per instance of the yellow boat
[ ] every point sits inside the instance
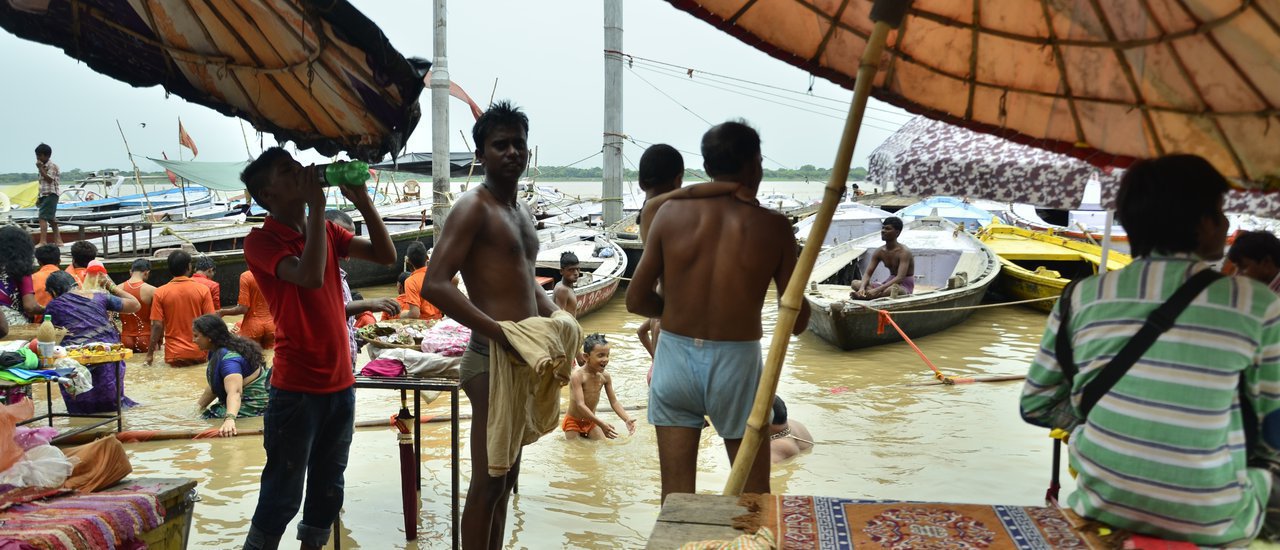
(1037, 264)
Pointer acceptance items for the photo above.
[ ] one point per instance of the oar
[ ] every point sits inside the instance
(887, 15)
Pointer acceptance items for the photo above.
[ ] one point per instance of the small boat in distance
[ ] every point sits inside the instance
(851, 220)
(952, 270)
(1036, 264)
(960, 212)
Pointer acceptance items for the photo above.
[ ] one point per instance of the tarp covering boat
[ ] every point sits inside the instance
(460, 164)
(21, 195)
(318, 73)
(222, 176)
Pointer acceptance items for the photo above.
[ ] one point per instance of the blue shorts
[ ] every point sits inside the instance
(695, 378)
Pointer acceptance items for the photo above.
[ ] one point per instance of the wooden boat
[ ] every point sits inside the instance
(111, 207)
(961, 212)
(851, 220)
(952, 268)
(603, 264)
(1036, 264)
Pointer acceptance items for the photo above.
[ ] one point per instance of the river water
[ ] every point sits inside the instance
(877, 437)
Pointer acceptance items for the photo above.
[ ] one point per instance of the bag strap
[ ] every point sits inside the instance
(1161, 320)
(1062, 344)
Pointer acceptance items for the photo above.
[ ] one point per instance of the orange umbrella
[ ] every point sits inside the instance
(1108, 81)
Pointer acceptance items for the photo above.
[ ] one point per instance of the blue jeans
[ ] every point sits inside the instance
(307, 438)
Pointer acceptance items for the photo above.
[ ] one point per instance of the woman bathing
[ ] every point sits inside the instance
(238, 376)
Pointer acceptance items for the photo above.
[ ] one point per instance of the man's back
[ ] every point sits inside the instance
(719, 256)
(1163, 452)
(176, 304)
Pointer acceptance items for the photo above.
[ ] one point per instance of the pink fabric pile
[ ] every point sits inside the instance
(447, 338)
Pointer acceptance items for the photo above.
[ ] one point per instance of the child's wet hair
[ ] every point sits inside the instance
(593, 340)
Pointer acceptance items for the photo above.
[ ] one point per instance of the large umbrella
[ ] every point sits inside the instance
(318, 73)
(460, 164)
(1108, 81)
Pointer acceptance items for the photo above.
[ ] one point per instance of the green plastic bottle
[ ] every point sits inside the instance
(351, 173)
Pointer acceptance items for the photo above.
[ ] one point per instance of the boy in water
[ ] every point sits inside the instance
(584, 394)
(569, 273)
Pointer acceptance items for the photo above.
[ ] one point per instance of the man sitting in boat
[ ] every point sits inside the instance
(897, 258)
(1181, 445)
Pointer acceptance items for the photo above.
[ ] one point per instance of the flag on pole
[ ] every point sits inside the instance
(456, 91)
(184, 139)
(173, 178)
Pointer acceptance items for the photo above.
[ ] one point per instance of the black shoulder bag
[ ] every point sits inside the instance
(1160, 320)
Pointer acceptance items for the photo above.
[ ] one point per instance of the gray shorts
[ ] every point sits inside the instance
(474, 361)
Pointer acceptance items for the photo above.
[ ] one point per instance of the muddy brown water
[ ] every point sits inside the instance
(877, 437)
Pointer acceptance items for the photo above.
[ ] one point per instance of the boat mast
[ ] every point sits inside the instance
(612, 191)
(439, 122)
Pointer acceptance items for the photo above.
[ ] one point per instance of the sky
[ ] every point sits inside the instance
(546, 56)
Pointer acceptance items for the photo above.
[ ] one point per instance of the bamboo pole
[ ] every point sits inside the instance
(137, 176)
(789, 308)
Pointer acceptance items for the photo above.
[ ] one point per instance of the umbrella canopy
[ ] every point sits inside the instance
(1108, 81)
(928, 157)
(318, 73)
(460, 164)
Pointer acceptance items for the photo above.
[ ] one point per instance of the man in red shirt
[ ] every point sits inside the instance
(308, 423)
(173, 308)
(204, 275)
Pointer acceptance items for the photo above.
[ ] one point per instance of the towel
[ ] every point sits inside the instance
(524, 398)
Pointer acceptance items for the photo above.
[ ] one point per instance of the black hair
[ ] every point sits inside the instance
(140, 265)
(1162, 201)
(660, 165)
(44, 149)
(500, 114)
(215, 329)
(728, 148)
(83, 252)
(1255, 245)
(894, 222)
(404, 276)
(59, 283)
(568, 259)
(179, 263)
(204, 263)
(48, 254)
(779, 411)
(17, 254)
(339, 217)
(257, 174)
(594, 339)
(416, 253)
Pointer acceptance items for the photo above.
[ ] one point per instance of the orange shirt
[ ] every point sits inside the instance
(251, 297)
(37, 281)
(77, 272)
(403, 300)
(413, 295)
(177, 304)
(215, 289)
(136, 324)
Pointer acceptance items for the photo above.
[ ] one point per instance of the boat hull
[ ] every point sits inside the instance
(848, 325)
(1018, 283)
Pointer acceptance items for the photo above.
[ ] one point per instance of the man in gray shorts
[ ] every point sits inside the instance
(489, 238)
(715, 257)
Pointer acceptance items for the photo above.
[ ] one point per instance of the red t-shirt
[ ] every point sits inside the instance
(313, 353)
(215, 289)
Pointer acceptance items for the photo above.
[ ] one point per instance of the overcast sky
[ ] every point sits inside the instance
(547, 56)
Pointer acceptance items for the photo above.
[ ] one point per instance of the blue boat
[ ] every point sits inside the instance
(962, 213)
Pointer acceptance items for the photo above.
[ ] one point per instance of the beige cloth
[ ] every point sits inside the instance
(524, 399)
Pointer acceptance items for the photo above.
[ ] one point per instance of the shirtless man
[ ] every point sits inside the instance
(716, 257)
(489, 239)
(563, 295)
(897, 258)
(787, 437)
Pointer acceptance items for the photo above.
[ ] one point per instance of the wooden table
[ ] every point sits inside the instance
(417, 386)
(689, 518)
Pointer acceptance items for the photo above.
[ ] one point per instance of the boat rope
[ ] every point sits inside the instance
(961, 308)
(884, 318)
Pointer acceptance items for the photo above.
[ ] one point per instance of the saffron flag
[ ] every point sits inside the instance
(456, 91)
(173, 178)
(184, 139)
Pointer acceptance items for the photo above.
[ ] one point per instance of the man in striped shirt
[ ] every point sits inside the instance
(1163, 453)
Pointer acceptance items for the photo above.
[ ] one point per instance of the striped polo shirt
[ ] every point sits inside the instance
(1163, 452)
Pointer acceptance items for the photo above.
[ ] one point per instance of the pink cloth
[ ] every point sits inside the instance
(448, 338)
(383, 367)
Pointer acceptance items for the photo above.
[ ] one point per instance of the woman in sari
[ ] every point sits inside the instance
(17, 261)
(238, 376)
(86, 316)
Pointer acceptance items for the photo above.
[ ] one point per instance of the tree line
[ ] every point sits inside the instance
(806, 172)
(68, 176)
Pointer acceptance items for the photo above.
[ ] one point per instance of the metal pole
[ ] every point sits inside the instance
(440, 122)
(611, 194)
(1106, 241)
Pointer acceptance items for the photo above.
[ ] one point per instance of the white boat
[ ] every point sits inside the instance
(603, 264)
(971, 217)
(952, 269)
(781, 202)
(851, 220)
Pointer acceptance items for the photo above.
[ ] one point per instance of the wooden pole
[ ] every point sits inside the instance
(137, 176)
(789, 309)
